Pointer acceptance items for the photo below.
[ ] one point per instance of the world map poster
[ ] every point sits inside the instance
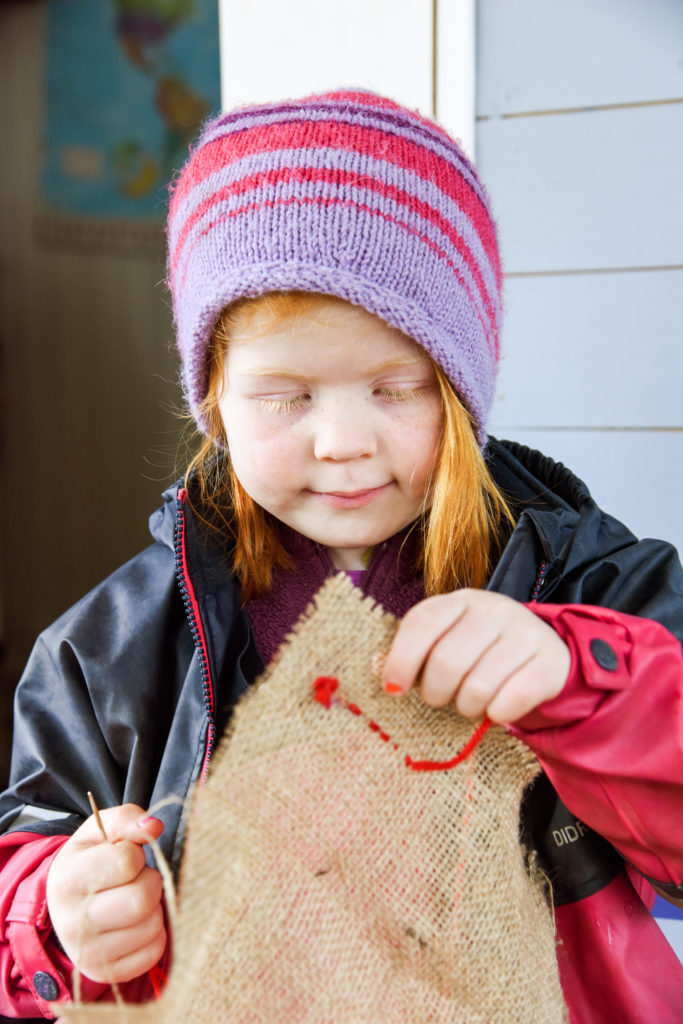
(128, 84)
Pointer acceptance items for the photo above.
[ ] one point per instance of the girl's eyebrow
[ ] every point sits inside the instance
(397, 364)
(269, 371)
(372, 371)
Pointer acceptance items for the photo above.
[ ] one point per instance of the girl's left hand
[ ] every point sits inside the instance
(484, 651)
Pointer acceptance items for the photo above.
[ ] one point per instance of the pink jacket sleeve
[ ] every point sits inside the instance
(612, 741)
(34, 971)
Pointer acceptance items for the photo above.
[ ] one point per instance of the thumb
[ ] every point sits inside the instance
(144, 829)
(127, 821)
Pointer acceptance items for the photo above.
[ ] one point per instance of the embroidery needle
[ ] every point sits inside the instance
(96, 812)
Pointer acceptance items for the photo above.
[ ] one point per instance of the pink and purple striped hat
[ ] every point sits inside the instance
(345, 194)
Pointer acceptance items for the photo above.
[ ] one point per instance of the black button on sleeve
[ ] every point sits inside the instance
(604, 654)
(45, 986)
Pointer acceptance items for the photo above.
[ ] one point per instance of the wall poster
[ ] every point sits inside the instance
(127, 85)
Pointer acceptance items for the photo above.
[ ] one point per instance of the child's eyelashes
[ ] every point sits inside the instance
(297, 402)
(401, 394)
(284, 404)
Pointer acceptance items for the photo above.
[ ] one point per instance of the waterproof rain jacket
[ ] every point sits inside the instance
(126, 693)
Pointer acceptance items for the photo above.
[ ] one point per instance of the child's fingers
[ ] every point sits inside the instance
(125, 906)
(104, 864)
(522, 692)
(98, 888)
(119, 823)
(85, 920)
(144, 828)
(129, 822)
(141, 960)
(124, 953)
(116, 943)
(417, 633)
(137, 962)
(489, 673)
(83, 870)
(473, 647)
(520, 671)
(527, 665)
(456, 655)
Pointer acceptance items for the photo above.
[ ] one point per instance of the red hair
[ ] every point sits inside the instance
(464, 525)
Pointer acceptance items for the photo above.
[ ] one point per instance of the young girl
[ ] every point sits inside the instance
(336, 287)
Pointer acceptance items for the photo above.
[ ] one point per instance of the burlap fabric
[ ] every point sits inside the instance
(326, 881)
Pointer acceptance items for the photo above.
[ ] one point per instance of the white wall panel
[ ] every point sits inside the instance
(592, 350)
(631, 474)
(587, 190)
(590, 210)
(274, 50)
(550, 54)
(420, 52)
(456, 77)
(581, 196)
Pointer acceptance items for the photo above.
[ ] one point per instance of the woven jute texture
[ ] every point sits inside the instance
(325, 880)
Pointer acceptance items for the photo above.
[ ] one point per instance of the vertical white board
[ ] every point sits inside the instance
(419, 52)
(579, 141)
(455, 77)
(272, 50)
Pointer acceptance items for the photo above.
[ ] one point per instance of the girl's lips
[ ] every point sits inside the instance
(350, 499)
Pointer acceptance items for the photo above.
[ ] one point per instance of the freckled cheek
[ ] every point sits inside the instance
(276, 459)
(246, 428)
(416, 446)
(264, 458)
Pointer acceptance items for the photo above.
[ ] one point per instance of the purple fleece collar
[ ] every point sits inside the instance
(391, 579)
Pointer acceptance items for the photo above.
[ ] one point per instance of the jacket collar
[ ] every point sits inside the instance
(555, 511)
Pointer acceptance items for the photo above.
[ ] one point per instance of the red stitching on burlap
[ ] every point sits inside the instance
(158, 978)
(324, 690)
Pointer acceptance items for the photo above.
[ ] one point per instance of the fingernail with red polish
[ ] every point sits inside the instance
(392, 688)
(147, 822)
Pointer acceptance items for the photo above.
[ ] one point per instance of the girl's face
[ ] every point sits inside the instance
(332, 420)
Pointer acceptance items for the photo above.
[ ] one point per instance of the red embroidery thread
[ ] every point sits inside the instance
(443, 766)
(324, 689)
(158, 977)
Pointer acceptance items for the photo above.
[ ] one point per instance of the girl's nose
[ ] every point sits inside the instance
(344, 434)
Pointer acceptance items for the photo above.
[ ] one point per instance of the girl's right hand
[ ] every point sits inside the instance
(104, 901)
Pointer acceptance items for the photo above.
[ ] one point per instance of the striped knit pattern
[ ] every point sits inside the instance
(346, 194)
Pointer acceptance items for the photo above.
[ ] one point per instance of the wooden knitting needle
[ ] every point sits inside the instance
(96, 812)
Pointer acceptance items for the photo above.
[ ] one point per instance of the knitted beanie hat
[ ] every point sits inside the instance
(345, 194)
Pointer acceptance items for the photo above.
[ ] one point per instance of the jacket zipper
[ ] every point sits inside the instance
(195, 622)
(538, 585)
